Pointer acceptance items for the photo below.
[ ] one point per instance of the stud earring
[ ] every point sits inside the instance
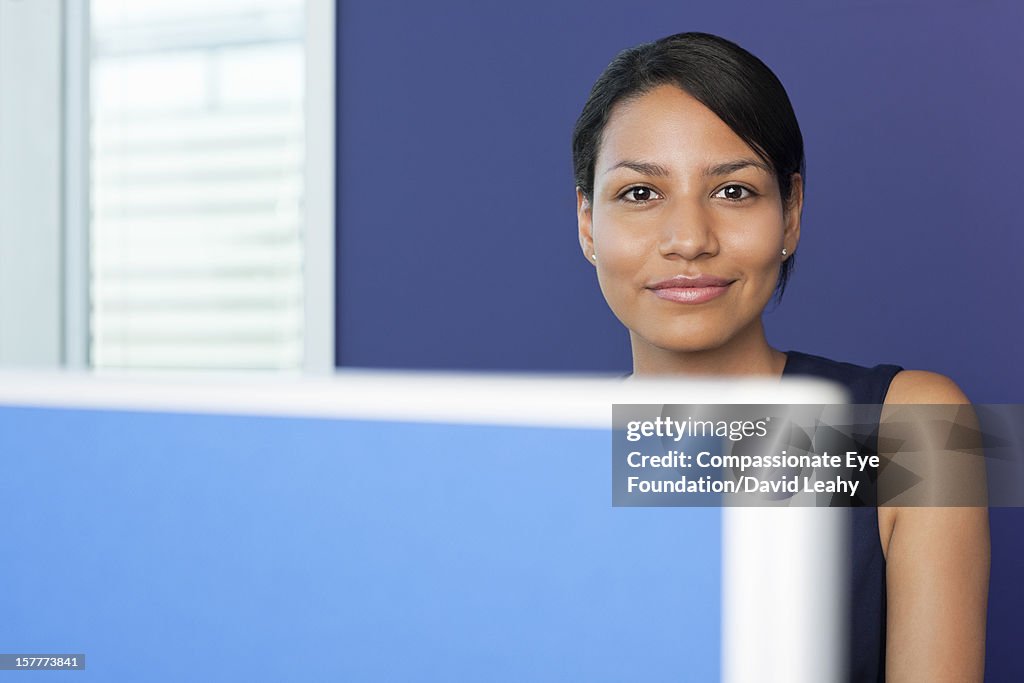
(783, 252)
(593, 256)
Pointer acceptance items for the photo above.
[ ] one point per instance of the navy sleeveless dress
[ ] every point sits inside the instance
(867, 573)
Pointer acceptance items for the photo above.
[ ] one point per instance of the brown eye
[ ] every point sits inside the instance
(639, 194)
(734, 193)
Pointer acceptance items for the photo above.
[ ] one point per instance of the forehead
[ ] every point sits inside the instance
(669, 125)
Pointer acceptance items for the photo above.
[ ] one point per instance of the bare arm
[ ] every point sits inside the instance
(937, 571)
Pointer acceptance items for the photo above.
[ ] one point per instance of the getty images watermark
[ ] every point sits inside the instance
(817, 455)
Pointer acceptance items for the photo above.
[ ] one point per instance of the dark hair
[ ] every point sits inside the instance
(737, 86)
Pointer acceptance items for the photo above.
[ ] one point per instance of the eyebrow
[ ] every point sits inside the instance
(725, 168)
(732, 166)
(642, 167)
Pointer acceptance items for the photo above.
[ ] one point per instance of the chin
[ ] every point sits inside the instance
(684, 341)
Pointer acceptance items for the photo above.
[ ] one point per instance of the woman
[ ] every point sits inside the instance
(689, 169)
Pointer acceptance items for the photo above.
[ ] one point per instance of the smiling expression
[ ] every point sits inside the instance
(678, 196)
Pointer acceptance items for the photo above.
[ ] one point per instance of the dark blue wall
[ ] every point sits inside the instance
(457, 241)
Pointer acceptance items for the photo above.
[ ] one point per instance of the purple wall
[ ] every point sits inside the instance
(457, 239)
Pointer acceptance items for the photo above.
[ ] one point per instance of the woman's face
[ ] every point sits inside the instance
(679, 196)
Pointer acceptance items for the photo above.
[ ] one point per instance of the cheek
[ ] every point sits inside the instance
(756, 245)
(621, 247)
(622, 254)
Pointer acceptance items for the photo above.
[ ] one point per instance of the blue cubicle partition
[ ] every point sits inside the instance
(169, 546)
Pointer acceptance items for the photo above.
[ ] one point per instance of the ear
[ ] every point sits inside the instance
(585, 224)
(794, 207)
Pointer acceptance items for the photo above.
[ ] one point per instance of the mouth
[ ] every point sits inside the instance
(691, 289)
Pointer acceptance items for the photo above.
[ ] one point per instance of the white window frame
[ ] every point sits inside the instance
(44, 180)
(319, 210)
(31, 263)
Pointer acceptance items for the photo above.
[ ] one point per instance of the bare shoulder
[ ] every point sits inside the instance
(937, 556)
(924, 387)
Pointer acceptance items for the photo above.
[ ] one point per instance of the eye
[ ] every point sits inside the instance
(735, 193)
(639, 194)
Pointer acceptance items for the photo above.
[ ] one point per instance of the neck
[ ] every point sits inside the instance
(746, 354)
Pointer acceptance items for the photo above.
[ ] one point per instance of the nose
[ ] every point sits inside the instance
(688, 230)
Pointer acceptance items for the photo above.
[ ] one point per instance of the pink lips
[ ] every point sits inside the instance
(691, 290)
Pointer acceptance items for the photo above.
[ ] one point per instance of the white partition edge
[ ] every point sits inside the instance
(783, 595)
(454, 397)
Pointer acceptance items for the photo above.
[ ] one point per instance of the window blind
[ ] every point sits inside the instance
(196, 184)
